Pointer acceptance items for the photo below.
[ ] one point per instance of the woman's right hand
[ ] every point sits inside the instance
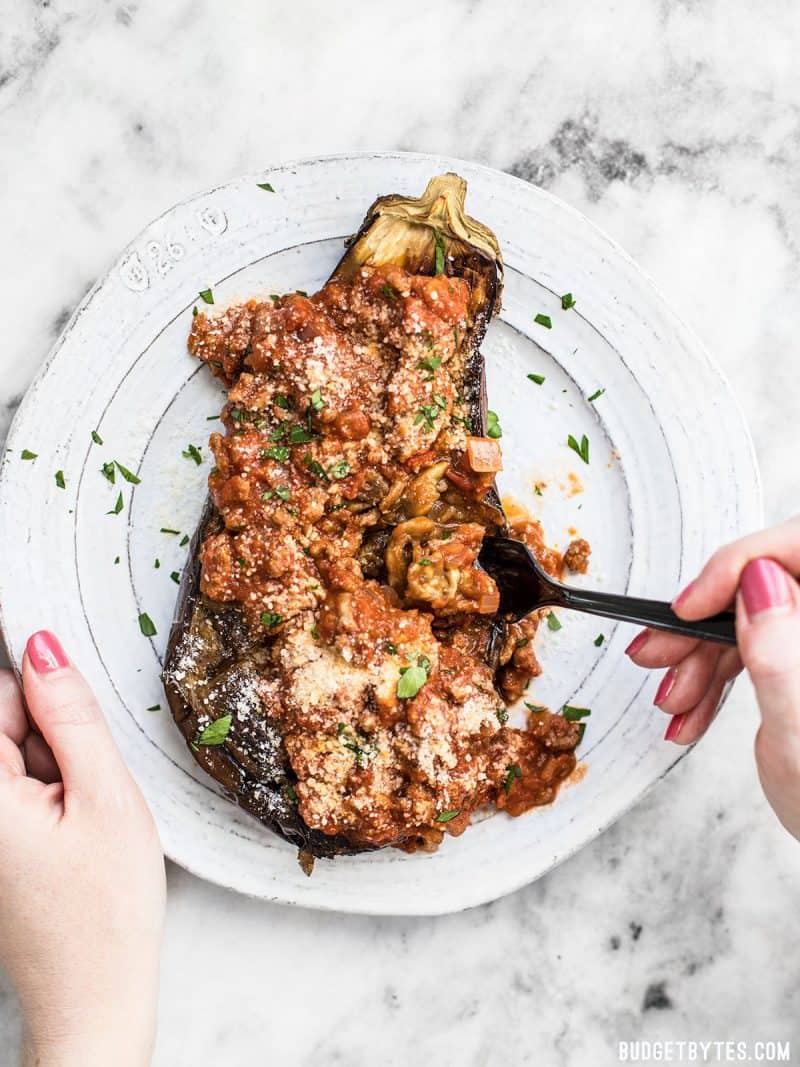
(755, 573)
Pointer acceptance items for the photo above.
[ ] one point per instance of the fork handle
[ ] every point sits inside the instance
(655, 613)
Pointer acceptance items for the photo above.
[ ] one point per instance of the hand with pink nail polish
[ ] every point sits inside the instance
(81, 873)
(756, 574)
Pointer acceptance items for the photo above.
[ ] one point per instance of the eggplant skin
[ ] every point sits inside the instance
(211, 661)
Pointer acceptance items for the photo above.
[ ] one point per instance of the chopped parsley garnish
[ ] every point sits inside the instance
(60, 480)
(283, 493)
(599, 640)
(544, 320)
(154, 707)
(216, 731)
(301, 292)
(109, 471)
(581, 732)
(270, 619)
(281, 401)
(195, 312)
(595, 395)
(146, 625)
(552, 622)
(315, 467)
(98, 440)
(27, 454)
(388, 292)
(315, 632)
(493, 428)
(211, 418)
(537, 709)
(430, 364)
(446, 816)
(175, 576)
(166, 529)
(116, 559)
(575, 714)
(317, 402)
(425, 562)
(206, 296)
(513, 772)
(439, 260)
(298, 435)
(538, 378)
(193, 452)
(364, 750)
(183, 541)
(117, 507)
(412, 679)
(236, 415)
(278, 452)
(339, 470)
(502, 716)
(522, 642)
(538, 490)
(390, 647)
(156, 563)
(429, 413)
(581, 449)
(129, 476)
(265, 186)
(567, 301)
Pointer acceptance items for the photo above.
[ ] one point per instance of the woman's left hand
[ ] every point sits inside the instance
(81, 873)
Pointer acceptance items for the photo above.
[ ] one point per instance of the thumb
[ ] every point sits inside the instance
(68, 716)
(768, 635)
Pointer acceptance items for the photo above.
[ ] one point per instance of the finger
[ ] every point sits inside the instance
(715, 587)
(13, 720)
(11, 761)
(685, 685)
(768, 633)
(64, 709)
(687, 728)
(653, 648)
(39, 760)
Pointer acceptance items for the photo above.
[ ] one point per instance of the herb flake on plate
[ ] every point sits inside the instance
(581, 449)
(146, 625)
(493, 428)
(543, 320)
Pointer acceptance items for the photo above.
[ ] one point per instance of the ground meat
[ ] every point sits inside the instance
(350, 531)
(576, 558)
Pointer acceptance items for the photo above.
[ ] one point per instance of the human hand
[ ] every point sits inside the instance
(81, 873)
(755, 573)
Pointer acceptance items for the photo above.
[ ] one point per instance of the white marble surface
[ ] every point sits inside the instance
(674, 124)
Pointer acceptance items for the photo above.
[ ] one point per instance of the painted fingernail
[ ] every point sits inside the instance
(665, 688)
(638, 642)
(764, 586)
(45, 652)
(679, 599)
(674, 728)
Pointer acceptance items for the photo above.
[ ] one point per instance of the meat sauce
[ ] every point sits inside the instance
(354, 497)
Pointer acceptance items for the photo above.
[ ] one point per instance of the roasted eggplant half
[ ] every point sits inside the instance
(336, 662)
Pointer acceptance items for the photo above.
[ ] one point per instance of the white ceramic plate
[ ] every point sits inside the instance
(671, 476)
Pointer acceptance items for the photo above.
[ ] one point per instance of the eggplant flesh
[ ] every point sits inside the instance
(213, 661)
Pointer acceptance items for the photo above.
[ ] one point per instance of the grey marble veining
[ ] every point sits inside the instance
(675, 125)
